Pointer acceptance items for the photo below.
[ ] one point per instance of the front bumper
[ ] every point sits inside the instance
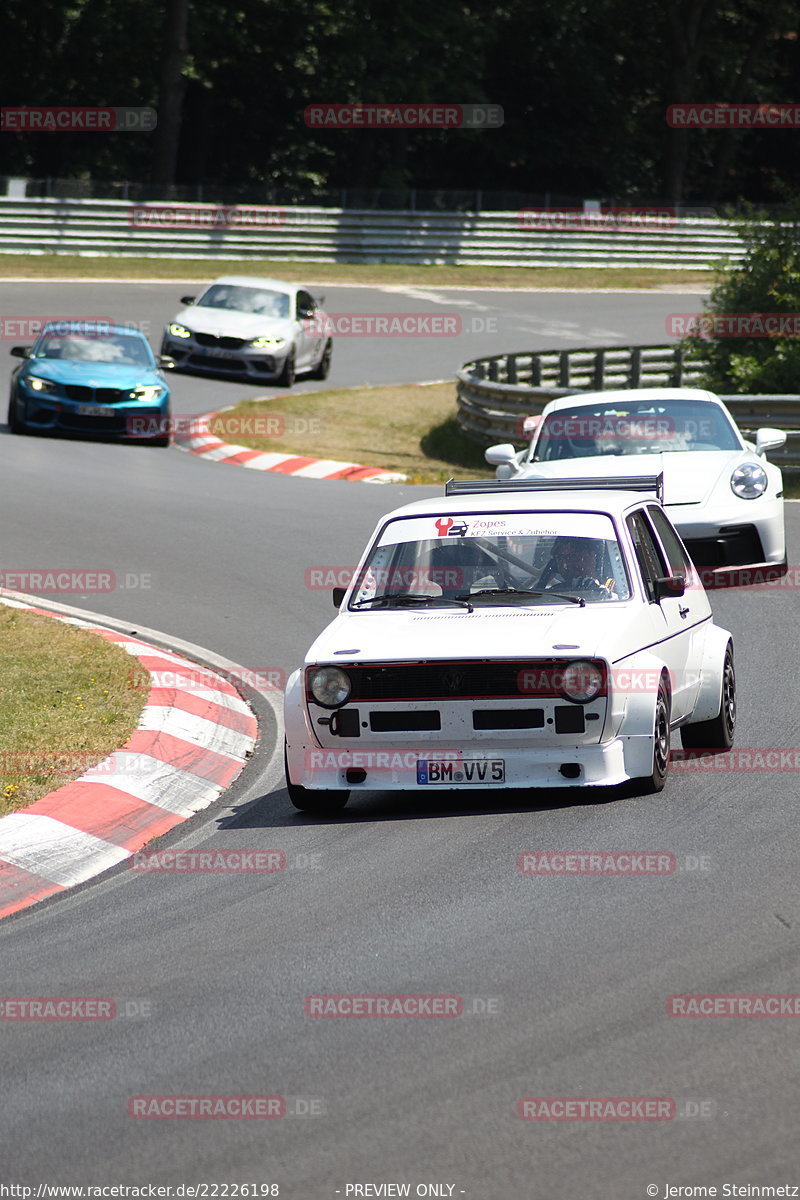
(57, 414)
(747, 533)
(232, 364)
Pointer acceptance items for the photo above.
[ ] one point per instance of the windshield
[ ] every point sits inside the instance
(491, 558)
(246, 300)
(641, 427)
(97, 347)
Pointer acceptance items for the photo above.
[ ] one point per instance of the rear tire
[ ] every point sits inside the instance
(654, 782)
(718, 733)
(319, 803)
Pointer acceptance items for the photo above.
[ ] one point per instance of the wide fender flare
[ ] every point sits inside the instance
(709, 693)
(633, 707)
(299, 737)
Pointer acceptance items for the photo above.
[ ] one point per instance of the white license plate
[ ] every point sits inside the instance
(450, 772)
(216, 352)
(95, 410)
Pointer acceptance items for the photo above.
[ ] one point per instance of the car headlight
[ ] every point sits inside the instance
(264, 343)
(37, 384)
(147, 391)
(179, 330)
(330, 686)
(582, 681)
(749, 481)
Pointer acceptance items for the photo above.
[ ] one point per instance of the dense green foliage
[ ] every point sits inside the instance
(584, 86)
(765, 283)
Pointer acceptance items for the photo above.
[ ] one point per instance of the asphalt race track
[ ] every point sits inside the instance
(565, 980)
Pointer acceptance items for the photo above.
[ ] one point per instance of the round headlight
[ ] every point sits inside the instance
(330, 686)
(749, 481)
(582, 681)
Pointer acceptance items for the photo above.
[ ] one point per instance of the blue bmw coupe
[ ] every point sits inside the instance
(91, 377)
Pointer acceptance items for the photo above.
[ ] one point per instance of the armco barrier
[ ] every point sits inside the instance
(495, 394)
(106, 227)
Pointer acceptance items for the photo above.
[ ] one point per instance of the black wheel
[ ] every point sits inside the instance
(661, 742)
(287, 375)
(322, 369)
(321, 803)
(716, 734)
(15, 421)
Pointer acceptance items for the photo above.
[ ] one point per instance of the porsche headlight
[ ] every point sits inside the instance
(330, 686)
(149, 391)
(264, 343)
(179, 330)
(37, 384)
(582, 681)
(749, 481)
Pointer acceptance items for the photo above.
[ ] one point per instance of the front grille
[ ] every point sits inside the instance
(223, 343)
(732, 547)
(87, 395)
(514, 678)
(216, 364)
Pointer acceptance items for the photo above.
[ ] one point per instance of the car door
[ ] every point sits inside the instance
(308, 336)
(693, 607)
(675, 640)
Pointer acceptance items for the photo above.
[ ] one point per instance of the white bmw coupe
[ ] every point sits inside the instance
(725, 499)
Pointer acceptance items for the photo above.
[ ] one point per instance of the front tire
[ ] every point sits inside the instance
(15, 421)
(654, 782)
(287, 375)
(718, 733)
(319, 803)
(323, 367)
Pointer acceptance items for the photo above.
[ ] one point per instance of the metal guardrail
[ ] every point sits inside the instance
(496, 394)
(314, 234)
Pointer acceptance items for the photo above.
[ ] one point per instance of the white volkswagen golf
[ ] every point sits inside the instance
(725, 499)
(542, 635)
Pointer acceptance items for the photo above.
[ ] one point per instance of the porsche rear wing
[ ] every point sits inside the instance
(608, 483)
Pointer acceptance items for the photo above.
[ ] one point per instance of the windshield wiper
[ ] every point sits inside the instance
(411, 598)
(514, 591)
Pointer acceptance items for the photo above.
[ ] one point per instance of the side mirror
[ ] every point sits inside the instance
(502, 455)
(766, 439)
(21, 351)
(669, 585)
(188, 299)
(338, 596)
(166, 363)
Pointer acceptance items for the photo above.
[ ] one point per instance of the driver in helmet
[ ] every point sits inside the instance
(574, 566)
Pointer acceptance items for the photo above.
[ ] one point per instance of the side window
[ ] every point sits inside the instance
(676, 555)
(647, 552)
(305, 305)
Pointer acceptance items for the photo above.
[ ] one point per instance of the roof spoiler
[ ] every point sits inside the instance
(609, 483)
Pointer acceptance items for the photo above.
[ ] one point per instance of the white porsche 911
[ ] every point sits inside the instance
(546, 635)
(725, 499)
(243, 327)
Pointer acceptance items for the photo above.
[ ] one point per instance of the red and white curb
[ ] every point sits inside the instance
(200, 440)
(194, 736)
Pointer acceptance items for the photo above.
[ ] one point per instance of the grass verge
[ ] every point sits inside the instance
(68, 698)
(410, 428)
(75, 266)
